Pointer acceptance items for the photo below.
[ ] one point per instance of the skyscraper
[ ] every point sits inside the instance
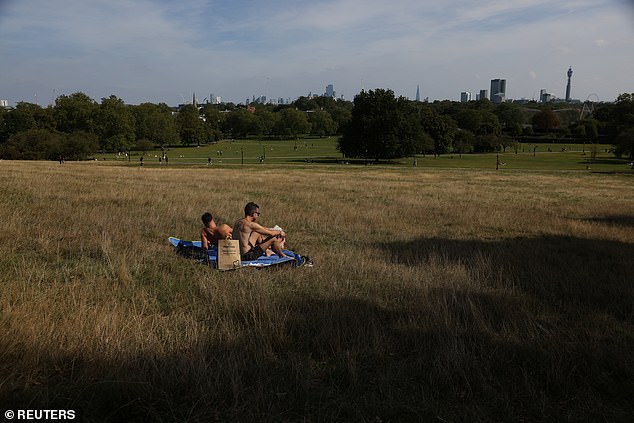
(330, 90)
(417, 93)
(465, 96)
(498, 90)
(568, 86)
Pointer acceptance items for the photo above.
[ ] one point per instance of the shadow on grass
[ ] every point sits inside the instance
(605, 161)
(614, 220)
(345, 360)
(559, 271)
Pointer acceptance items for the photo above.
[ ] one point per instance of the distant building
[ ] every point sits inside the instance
(484, 94)
(260, 100)
(465, 96)
(568, 85)
(498, 90)
(213, 99)
(4, 104)
(544, 97)
(417, 93)
(330, 91)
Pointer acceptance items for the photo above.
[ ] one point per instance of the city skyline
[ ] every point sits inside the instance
(160, 51)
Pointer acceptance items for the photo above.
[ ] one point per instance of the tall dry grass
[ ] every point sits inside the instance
(436, 296)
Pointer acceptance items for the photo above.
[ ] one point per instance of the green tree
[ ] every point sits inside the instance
(546, 120)
(479, 122)
(341, 114)
(43, 144)
(292, 123)
(144, 144)
(155, 123)
(78, 145)
(625, 144)
(190, 127)
(322, 123)
(440, 127)
(75, 112)
(510, 116)
(3, 135)
(19, 120)
(592, 129)
(265, 121)
(305, 104)
(32, 144)
(114, 123)
(213, 120)
(488, 143)
(464, 141)
(586, 128)
(382, 127)
(240, 123)
(426, 144)
(579, 130)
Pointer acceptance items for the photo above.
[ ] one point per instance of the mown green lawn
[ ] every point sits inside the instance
(242, 151)
(229, 153)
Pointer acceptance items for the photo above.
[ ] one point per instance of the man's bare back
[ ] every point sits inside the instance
(242, 231)
(211, 233)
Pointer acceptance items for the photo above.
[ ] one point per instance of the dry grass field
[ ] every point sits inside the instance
(437, 295)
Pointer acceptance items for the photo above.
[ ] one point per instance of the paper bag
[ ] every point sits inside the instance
(228, 254)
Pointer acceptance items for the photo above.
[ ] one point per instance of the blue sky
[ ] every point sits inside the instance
(163, 51)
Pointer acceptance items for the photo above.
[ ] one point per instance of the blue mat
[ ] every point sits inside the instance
(194, 250)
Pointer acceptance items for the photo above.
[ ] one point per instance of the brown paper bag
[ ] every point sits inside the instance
(228, 254)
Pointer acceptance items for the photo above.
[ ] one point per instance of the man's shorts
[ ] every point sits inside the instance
(253, 253)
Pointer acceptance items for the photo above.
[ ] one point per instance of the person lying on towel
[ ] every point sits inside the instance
(254, 238)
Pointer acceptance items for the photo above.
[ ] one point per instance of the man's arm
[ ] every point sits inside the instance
(203, 240)
(266, 231)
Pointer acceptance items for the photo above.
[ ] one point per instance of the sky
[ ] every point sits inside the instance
(165, 51)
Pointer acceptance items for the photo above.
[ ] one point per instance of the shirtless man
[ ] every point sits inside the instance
(254, 238)
(211, 233)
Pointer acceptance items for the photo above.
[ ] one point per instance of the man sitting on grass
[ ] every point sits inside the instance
(254, 238)
(211, 233)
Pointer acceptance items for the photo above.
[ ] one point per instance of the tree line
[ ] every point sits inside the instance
(376, 125)
(76, 126)
(383, 126)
